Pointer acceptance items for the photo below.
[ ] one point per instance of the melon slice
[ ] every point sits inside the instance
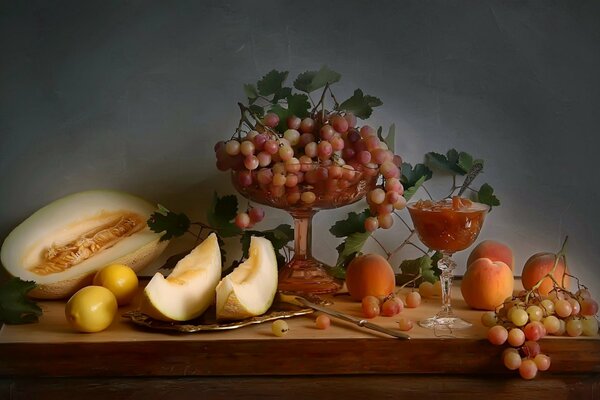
(62, 245)
(249, 290)
(190, 288)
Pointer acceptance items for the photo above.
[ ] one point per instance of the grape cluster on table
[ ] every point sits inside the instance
(523, 320)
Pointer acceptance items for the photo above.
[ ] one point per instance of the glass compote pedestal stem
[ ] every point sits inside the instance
(447, 226)
(304, 273)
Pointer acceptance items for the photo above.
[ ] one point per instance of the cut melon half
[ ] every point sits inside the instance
(62, 245)
(190, 288)
(250, 289)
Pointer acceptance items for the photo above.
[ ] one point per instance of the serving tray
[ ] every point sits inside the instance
(208, 321)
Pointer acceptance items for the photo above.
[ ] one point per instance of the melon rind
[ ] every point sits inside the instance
(190, 288)
(250, 289)
(65, 215)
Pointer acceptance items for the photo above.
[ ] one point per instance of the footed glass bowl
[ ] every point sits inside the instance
(313, 188)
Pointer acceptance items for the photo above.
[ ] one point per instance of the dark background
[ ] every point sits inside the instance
(132, 95)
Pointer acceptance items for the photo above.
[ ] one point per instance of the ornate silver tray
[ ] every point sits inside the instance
(208, 322)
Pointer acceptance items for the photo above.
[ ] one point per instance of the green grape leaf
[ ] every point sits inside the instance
(298, 105)
(271, 82)
(310, 81)
(279, 237)
(221, 243)
(410, 192)
(258, 111)
(426, 266)
(15, 306)
(389, 140)
(453, 161)
(413, 177)
(352, 245)
(360, 104)
(486, 196)
(174, 259)
(282, 113)
(465, 161)
(251, 92)
(245, 241)
(221, 213)
(353, 223)
(281, 93)
(172, 224)
(338, 272)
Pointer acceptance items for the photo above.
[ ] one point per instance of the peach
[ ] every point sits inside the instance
(370, 275)
(537, 267)
(495, 251)
(486, 284)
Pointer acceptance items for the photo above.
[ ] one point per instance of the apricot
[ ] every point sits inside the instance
(370, 275)
(495, 251)
(541, 264)
(486, 284)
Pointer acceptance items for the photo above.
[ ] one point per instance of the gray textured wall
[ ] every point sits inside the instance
(133, 94)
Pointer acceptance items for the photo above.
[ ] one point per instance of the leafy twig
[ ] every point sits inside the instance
(401, 246)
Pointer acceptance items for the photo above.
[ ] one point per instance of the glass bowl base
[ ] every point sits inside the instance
(445, 322)
(307, 276)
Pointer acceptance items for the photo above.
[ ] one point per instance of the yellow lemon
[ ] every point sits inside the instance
(120, 279)
(91, 309)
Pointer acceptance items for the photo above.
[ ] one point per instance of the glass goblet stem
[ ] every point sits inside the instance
(446, 265)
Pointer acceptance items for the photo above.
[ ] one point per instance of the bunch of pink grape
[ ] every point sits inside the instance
(313, 162)
(389, 306)
(521, 321)
(250, 217)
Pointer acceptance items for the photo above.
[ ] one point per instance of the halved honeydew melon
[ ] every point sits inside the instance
(190, 288)
(62, 245)
(250, 289)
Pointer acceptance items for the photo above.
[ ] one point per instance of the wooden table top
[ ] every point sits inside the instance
(52, 348)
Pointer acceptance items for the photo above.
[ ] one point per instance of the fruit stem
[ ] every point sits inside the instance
(403, 221)
(404, 243)
(409, 282)
(321, 103)
(562, 253)
(427, 191)
(243, 118)
(387, 253)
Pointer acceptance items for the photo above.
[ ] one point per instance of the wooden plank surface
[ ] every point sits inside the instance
(432, 387)
(50, 348)
(53, 327)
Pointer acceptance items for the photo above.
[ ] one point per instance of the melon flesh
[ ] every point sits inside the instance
(250, 289)
(190, 288)
(63, 244)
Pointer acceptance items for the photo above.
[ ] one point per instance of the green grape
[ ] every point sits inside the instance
(535, 313)
(279, 328)
(552, 324)
(574, 327)
(488, 319)
(589, 326)
(519, 317)
(512, 360)
(548, 306)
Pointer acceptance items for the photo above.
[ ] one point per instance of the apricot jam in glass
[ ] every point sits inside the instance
(448, 225)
